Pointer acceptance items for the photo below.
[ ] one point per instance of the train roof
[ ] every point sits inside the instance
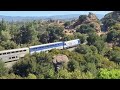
(13, 50)
(49, 44)
(44, 44)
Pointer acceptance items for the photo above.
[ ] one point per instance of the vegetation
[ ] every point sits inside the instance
(94, 58)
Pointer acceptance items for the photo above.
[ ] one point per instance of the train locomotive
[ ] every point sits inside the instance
(15, 54)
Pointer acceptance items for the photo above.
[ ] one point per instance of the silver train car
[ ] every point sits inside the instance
(46, 47)
(71, 43)
(13, 54)
(56, 45)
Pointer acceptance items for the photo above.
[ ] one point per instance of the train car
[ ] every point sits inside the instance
(71, 43)
(13, 54)
(46, 47)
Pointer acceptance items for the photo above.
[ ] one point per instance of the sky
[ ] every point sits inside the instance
(47, 13)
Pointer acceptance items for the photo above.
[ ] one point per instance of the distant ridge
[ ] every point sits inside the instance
(57, 17)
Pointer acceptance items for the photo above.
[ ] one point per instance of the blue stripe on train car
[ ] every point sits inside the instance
(45, 47)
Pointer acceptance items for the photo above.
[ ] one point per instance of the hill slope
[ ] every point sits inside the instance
(62, 17)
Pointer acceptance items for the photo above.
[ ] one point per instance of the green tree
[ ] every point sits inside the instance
(55, 32)
(73, 65)
(83, 49)
(114, 55)
(94, 49)
(99, 45)
(27, 34)
(80, 36)
(3, 69)
(3, 25)
(115, 27)
(37, 64)
(4, 36)
(67, 23)
(8, 45)
(81, 75)
(63, 74)
(103, 37)
(76, 75)
(91, 67)
(108, 74)
(1, 48)
(11, 76)
(84, 28)
(82, 17)
(112, 36)
(31, 76)
(68, 37)
(92, 38)
(44, 38)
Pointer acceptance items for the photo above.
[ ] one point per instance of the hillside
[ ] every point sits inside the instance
(97, 56)
(90, 19)
(62, 17)
(110, 19)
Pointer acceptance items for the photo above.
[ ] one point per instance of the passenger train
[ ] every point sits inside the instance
(15, 54)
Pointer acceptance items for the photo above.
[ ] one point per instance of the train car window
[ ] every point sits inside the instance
(13, 57)
(16, 56)
(8, 52)
(17, 51)
(20, 50)
(9, 57)
(24, 50)
(12, 52)
(4, 53)
(0, 53)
